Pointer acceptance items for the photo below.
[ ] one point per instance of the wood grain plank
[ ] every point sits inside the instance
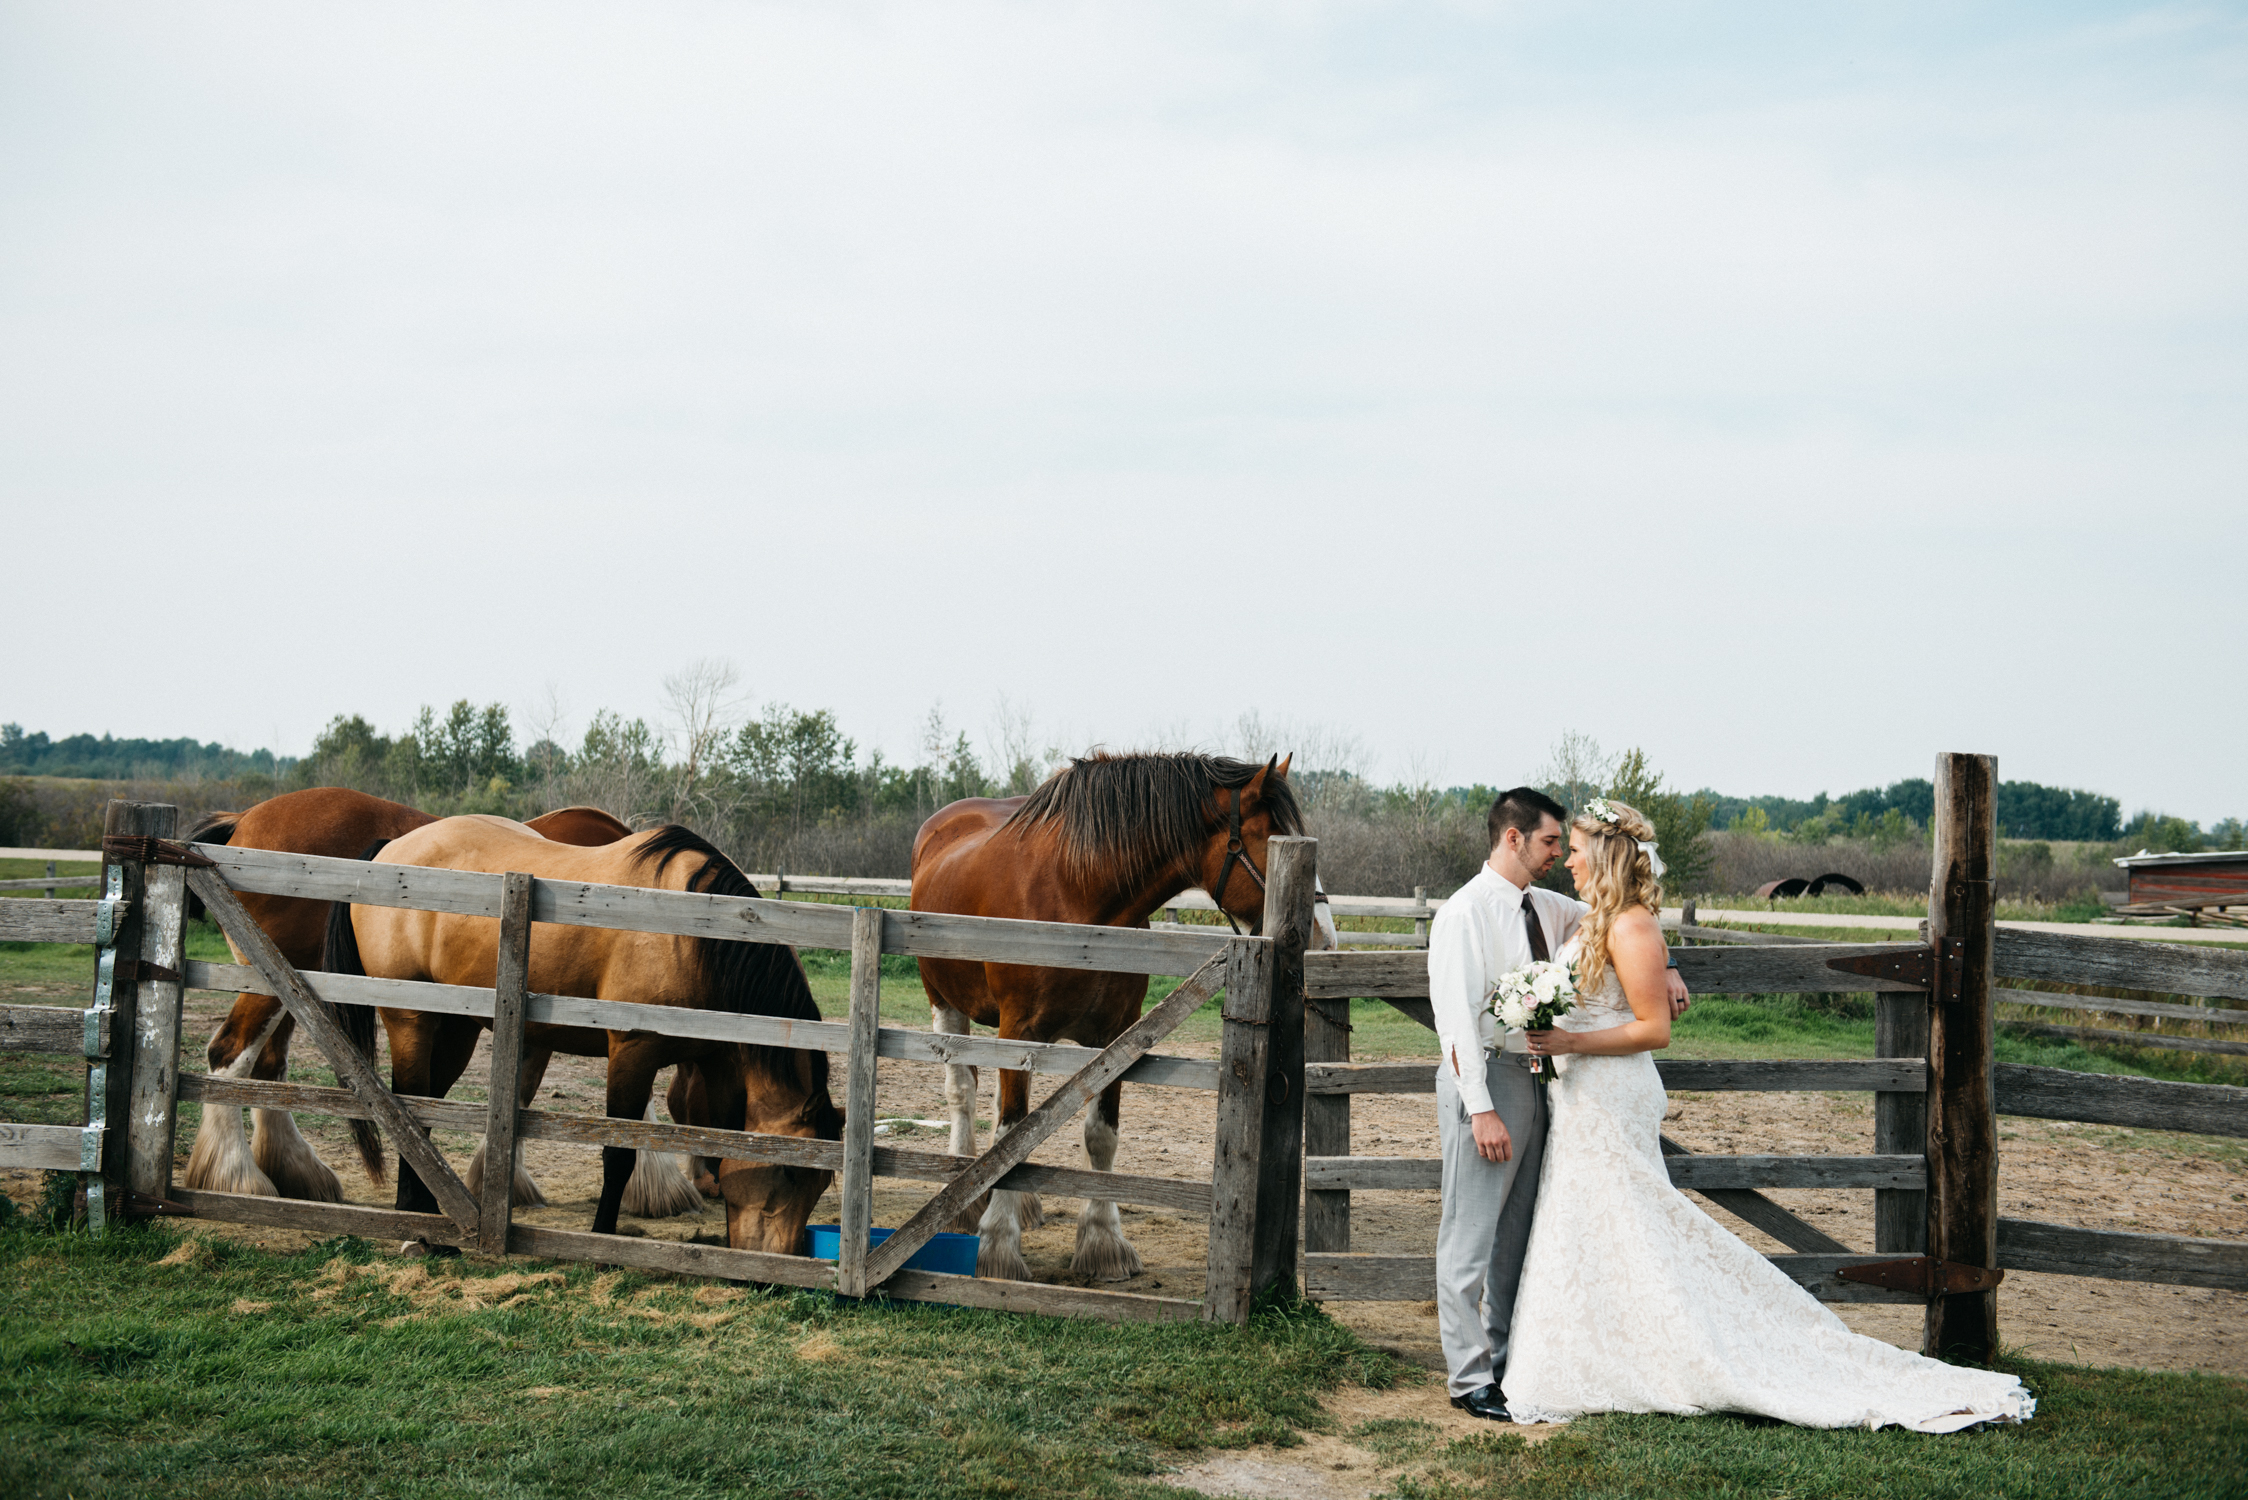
(54, 1148)
(1176, 1193)
(686, 1259)
(1036, 1297)
(2101, 1099)
(1779, 969)
(320, 1218)
(2123, 963)
(49, 1029)
(30, 919)
(1962, 1150)
(2174, 1259)
(510, 1000)
(1696, 1171)
(1707, 1075)
(1124, 950)
(1244, 1068)
(609, 1015)
(2113, 1037)
(857, 1188)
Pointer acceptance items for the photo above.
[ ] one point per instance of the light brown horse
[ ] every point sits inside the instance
(253, 1041)
(773, 1090)
(1108, 840)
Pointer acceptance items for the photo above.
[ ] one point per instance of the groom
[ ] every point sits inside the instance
(1490, 1110)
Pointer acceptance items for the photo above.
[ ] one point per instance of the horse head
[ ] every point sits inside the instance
(1240, 822)
(767, 1205)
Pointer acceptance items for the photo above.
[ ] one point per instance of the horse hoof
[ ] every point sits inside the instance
(1030, 1211)
(1003, 1262)
(1106, 1257)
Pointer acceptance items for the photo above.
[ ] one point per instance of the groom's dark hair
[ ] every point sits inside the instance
(1525, 808)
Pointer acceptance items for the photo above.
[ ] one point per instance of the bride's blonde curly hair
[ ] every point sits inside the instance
(1620, 877)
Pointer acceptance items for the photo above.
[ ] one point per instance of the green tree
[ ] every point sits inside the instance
(1680, 821)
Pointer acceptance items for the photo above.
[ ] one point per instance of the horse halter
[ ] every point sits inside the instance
(1234, 850)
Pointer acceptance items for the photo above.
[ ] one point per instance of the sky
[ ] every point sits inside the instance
(1795, 392)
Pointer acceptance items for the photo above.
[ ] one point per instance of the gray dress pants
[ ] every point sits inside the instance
(1485, 1228)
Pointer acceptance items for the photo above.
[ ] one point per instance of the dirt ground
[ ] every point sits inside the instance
(2088, 1175)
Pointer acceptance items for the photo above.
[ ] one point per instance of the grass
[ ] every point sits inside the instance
(144, 1363)
(2097, 1433)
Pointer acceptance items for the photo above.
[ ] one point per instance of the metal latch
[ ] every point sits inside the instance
(1924, 1276)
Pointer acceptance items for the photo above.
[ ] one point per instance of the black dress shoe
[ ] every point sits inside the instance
(1486, 1403)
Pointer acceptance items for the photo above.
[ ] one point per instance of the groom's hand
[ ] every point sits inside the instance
(1675, 988)
(1492, 1143)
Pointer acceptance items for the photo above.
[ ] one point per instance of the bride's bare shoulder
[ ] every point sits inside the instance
(1636, 928)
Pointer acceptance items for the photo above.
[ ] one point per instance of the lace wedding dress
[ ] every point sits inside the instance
(1633, 1299)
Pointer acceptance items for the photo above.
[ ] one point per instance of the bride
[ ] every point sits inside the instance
(1632, 1298)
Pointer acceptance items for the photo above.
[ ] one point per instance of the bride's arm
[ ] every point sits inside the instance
(1638, 955)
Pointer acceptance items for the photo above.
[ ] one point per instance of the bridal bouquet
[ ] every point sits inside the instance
(1533, 997)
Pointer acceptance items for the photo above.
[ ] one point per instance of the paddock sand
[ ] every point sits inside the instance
(2088, 1175)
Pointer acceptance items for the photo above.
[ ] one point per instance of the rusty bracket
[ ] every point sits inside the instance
(1937, 968)
(1924, 1276)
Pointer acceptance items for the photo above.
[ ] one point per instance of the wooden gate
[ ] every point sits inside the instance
(1249, 1201)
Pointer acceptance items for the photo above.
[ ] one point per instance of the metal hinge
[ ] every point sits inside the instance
(89, 1147)
(1924, 1275)
(1939, 968)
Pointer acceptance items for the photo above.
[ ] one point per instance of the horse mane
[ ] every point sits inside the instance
(1145, 810)
(745, 978)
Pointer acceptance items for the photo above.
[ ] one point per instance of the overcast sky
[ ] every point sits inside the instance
(1794, 391)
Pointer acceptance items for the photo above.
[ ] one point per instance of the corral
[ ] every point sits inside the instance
(1284, 1080)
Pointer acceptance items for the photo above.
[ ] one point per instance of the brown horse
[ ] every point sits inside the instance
(253, 1041)
(773, 1090)
(1108, 840)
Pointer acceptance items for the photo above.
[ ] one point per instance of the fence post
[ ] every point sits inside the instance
(1244, 1061)
(510, 986)
(132, 1096)
(857, 1216)
(1291, 885)
(50, 876)
(1900, 1121)
(1420, 923)
(1962, 1139)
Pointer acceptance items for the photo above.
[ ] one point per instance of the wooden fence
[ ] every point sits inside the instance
(1937, 1095)
(131, 1036)
(1283, 1081)
(1416, 908)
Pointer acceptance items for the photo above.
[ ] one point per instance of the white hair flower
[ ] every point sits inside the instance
(1599, 808)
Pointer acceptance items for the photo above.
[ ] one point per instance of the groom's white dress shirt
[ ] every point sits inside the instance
(1479, 935)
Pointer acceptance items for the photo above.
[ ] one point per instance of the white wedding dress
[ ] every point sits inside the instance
(1633, 1299)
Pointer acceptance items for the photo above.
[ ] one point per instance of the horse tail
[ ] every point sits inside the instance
(216, 828)
(340, 955)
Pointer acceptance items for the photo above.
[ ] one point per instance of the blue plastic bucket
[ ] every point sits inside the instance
(951, 1254)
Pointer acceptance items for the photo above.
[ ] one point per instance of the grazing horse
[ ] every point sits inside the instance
(773, 1090)
(253, 1041)
(1107, 840)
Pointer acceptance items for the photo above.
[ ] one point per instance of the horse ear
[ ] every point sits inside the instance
(1280, 766)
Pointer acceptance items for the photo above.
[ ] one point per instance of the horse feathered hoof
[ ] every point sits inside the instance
(1003, 1261)
(1030, 1212)
(1104, 1255)
(287, 1160)
(222, 1161)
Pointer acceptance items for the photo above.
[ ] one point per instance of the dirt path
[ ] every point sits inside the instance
(2089, 1175)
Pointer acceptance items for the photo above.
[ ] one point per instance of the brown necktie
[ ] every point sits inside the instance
(1538, 949)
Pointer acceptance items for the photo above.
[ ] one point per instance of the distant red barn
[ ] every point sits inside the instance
(2201, 882)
